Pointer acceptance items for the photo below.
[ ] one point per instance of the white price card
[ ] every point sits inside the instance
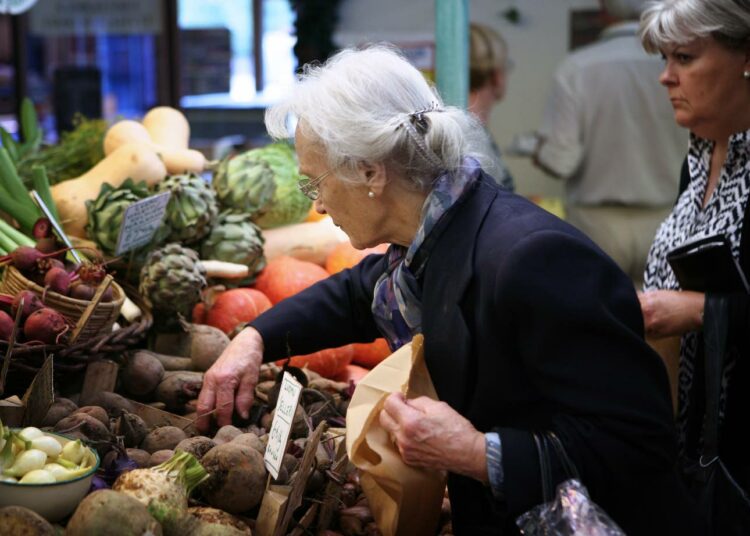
(282, 423)
(140, 221)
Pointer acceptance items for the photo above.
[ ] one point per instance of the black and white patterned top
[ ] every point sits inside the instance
(689, 221)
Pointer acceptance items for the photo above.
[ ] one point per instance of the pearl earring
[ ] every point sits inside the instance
(371, 194)
(746, 75)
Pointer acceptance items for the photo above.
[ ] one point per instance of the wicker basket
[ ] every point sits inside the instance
(71, 360)
(101, 320)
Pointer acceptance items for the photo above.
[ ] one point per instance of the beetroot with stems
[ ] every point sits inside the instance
(31, 303)
(45, 325)
(58, 280)
(6, 326)
(25, 257)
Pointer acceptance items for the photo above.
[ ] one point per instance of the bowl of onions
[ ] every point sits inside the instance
(45, 472)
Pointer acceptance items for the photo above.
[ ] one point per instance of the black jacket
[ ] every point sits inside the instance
(527, 325)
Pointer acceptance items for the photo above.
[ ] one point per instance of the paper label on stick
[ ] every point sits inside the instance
(140, 221)
(282, 423)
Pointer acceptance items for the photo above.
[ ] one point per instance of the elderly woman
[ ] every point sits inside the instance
(706, 46)
(527, 325)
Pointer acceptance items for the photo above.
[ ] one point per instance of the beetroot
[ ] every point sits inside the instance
(42, 229)
(6, 326)
(58, 280)
(24, 257)
(31, 303)
(47, 245)
(82, 291)
(45, 325)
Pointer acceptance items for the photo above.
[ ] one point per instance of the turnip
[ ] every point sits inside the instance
(112, 513)
(164, 489)
(45, 325)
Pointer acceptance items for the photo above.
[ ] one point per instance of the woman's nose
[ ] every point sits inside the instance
(667, 76)
(318, 204)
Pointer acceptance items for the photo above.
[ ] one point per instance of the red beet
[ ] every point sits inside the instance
(24, 257)
(6, 326)
(31, 303)
(45, 325)
(81, 291)
(44, 265)
(42, 229)
(58, 280)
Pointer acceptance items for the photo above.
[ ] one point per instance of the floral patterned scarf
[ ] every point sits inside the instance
(397, 300)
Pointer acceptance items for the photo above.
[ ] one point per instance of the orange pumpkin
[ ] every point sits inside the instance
(231, 309)
(370, 354)
(286, 276)
(344, 255)
(328, 363)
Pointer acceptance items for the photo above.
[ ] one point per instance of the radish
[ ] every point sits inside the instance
(45, 325)
(31, 303)
(164, 489)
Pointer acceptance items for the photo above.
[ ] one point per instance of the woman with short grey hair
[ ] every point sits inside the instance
(527, 326)
(706, 47)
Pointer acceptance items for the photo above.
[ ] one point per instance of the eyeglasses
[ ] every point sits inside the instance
(310, 187)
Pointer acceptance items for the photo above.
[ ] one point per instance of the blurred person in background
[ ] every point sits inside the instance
(489, 66)
(607, 131)
(706, 49)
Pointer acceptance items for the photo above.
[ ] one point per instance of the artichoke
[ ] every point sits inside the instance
(106, 211)
(192, 208)
(235, 238)
(244, 184)
(172, 279)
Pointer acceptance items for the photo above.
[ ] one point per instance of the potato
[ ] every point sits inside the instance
(112, 513)
(197, 446)
(164, 438)
(238, 477)
(17, 520)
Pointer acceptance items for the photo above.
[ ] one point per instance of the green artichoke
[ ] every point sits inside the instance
(244, 184)
(191, 210)
(172, 279)
(235, 238)
(106, 211)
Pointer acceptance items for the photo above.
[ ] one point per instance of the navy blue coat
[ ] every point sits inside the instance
(527, 325)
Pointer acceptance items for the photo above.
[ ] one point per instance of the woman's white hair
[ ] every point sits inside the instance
(677, 22)
(362, 106)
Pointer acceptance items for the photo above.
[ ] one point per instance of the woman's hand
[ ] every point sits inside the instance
(236, 370)
(671, 312)
(432, 434)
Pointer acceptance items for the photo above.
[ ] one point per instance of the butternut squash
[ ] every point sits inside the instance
(167, 127)
(176, 160)
(308, 241)
(137, 161)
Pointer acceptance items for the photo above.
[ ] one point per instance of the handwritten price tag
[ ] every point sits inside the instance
(140, 221)
(282, 423)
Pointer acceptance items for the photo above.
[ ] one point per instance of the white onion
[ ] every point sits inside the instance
(38, 476)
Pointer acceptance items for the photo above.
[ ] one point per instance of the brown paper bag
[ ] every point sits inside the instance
(404, 500)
